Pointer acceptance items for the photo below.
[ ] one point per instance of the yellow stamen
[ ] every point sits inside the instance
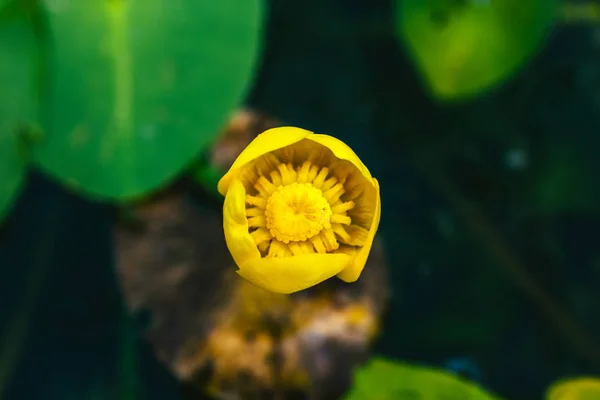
(256, 201)
(296, 212)
(300, 210)
(342, 207)
(261, 235)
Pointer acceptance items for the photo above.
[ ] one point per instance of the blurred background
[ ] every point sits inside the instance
(480, 118)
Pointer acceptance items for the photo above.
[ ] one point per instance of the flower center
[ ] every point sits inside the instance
(297, 212)
(300, 209)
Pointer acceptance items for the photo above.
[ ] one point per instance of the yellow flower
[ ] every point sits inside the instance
(299, 208)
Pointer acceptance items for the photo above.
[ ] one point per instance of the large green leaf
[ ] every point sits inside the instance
(140, 87)
(18, 104)
(463, 47)
(383, 379)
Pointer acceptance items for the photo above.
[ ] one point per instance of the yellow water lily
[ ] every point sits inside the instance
(299, 208)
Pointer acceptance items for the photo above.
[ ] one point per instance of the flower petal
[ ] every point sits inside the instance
(235, 225)
(269, 140)
(342, 151)
(352, 273)
(291, 274)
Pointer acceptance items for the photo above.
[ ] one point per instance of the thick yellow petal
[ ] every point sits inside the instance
(352, 273)
(291, 274)
(235, 225)
(342, 151)
(269, 140)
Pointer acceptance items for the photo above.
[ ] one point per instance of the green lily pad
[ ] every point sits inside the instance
(382, 379)
(18, 104)
(464, 47)
(583, 388)
(140, 87)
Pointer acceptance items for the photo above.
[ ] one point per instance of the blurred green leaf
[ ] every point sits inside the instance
(464, 47)
(383, 379)
(586, 388)
(140, 87)
(18, 104)
(580, 12)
